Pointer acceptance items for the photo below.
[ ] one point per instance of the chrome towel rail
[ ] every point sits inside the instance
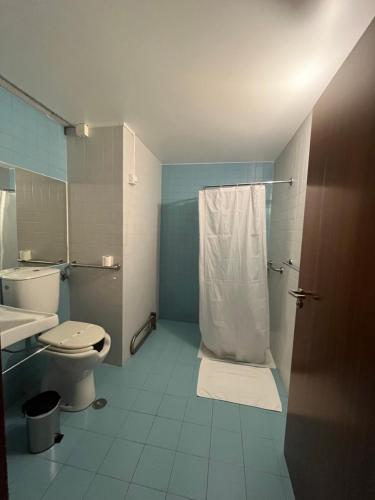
(276, 269)
(115, 267)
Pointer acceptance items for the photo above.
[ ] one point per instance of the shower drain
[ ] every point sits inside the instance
(98, 404)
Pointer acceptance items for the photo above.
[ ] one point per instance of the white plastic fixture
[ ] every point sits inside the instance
(20, 324)
(31, 288)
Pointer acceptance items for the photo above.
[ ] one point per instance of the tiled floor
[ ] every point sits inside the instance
(156, 440)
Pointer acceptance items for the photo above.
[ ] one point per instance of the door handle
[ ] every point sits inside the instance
(300, 294)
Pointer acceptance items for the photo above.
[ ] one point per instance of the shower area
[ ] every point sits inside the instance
(230, 250)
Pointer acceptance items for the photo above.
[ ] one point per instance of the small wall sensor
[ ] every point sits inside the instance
(82, 130)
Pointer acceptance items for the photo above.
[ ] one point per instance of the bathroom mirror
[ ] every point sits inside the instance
(33, 221)
(8, 224)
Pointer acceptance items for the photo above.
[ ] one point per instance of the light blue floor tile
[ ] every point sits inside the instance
(261, 455)
(255, 423)
(154, 468)
(90, 451)
(121, 459)
(261, 486)
(30, 477)
(137, 492)
(164, 433)
(226, 416)
(275, 424)
(199, 411)
(105, 421)
(152, 399)
(107, 375)
(136, 376)
(104, 487)
(147, 402)
(226, 446)
(137, 427)
(164, 365)
(284, 404)
(70, 483)
(195, 439)
(288, 488)
(279, 383)
(60, 451)
(179, 387)
(180, 381)
(226, 481)
(121, 397)
(283, 465)
(189, 476)
(156, 382)
(172, 407)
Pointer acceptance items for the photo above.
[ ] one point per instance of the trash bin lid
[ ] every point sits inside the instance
(41, 404)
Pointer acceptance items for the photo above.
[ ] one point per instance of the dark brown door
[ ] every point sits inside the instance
(329, 447)
(3, 462)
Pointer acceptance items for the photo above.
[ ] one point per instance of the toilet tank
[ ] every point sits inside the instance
(33, 288)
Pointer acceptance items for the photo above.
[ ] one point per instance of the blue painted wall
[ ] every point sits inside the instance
(179, 232)
(30, 140)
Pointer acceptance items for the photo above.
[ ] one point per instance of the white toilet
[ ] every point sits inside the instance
(75, 348)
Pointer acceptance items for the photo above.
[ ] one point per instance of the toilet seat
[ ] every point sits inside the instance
(73, 337)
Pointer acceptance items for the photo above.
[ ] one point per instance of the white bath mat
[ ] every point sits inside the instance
(238, 383)
(205, 353)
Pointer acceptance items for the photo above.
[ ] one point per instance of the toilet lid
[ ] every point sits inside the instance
(73, 335)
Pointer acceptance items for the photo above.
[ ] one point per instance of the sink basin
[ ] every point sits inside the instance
(20, 324)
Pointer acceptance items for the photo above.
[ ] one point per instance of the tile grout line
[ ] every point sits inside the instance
(243, 454)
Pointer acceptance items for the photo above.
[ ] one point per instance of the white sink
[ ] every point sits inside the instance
(20, 324)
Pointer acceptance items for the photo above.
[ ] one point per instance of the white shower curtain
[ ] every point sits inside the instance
(233, 293)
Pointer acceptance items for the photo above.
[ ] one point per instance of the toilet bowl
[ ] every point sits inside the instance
(74, 349)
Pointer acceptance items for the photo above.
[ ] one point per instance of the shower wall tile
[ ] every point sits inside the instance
(285, 243)
(29, 139)
(95, 229)
(179, 236)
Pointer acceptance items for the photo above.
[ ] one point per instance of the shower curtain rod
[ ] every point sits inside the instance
(289, 181)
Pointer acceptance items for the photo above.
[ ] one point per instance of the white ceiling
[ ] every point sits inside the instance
(198, 80)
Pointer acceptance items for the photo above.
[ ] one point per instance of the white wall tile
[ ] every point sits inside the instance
(141, 215)
(288, 205)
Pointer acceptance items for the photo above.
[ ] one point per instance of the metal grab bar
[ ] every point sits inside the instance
(291, 265)
(115, 267)
(276, 269)
(74, 263)
(49, 262)
(147, 329)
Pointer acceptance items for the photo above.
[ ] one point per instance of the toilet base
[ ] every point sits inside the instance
(77, 391)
